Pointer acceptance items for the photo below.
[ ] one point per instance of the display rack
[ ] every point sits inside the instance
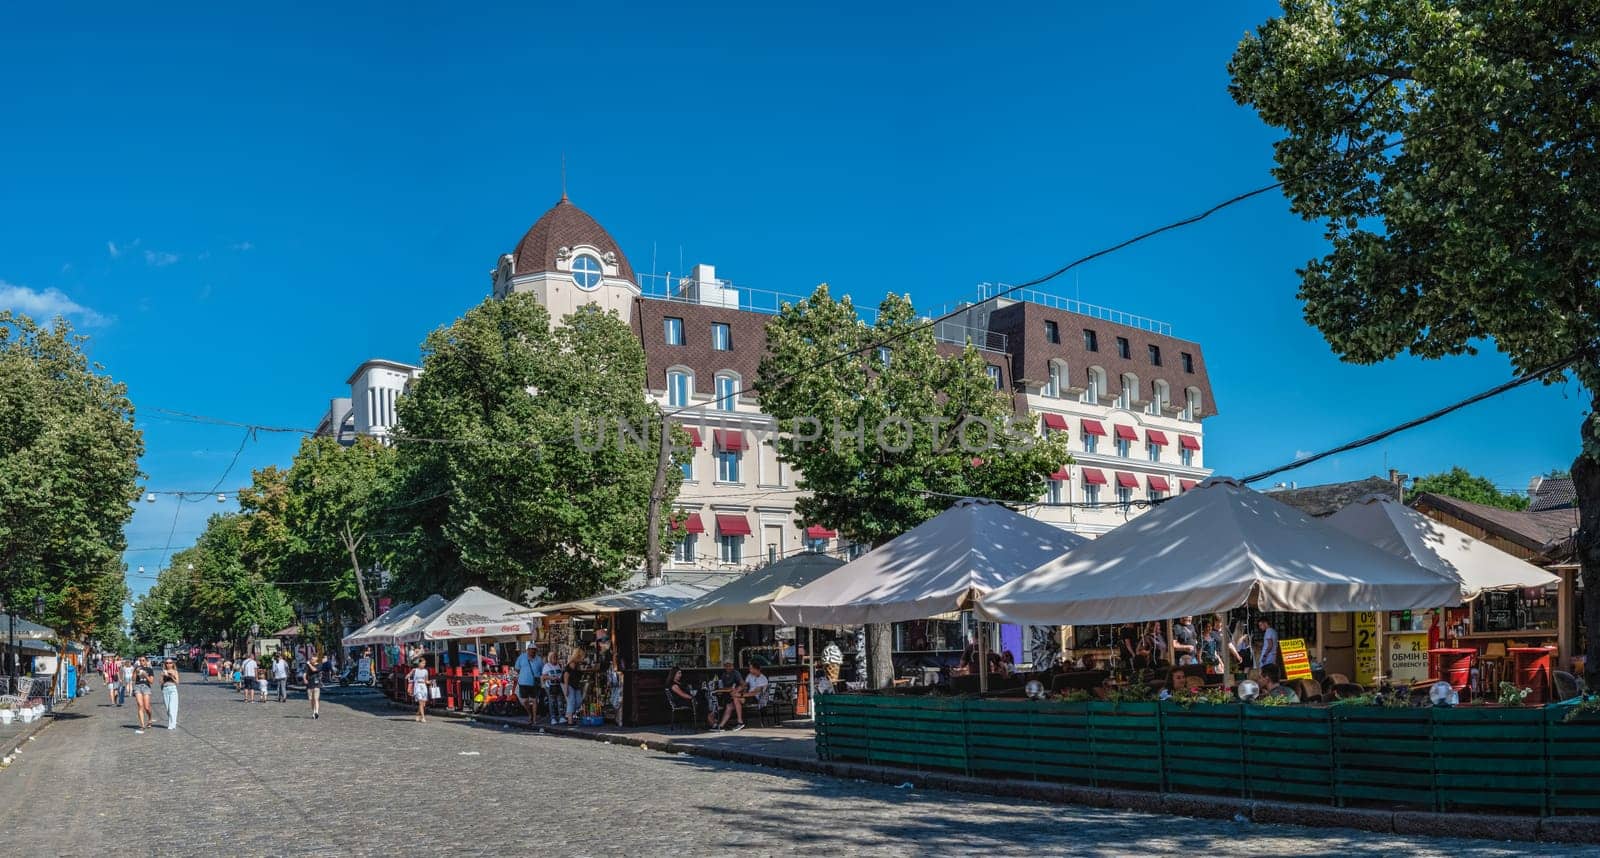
(660, 649)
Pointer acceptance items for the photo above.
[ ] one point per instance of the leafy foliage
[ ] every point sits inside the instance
(210, 593)
(68, 472)
(1461, 484)
(870, 491)
(509, 494)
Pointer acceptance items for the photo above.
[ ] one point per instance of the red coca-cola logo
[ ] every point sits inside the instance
(475, 630)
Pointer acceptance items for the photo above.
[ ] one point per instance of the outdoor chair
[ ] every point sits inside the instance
(1308, 690)
(1346, 690)
(1566, 685)
(1338, 679)
(687, 708)
(27, 689)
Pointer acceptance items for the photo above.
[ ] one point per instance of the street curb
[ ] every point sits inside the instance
(1501, 827)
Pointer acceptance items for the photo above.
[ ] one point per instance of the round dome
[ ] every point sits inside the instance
(565, 225)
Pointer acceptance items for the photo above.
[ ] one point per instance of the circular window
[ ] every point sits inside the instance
(586, 272)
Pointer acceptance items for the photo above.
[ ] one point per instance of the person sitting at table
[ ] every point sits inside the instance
(678, 689)
(754, 686)
(1272, 683)
(726, 703)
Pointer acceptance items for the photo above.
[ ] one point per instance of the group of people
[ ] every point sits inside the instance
(1147, 648)
(558, 685)
(752, 688)
(251, 677)
(138, 677)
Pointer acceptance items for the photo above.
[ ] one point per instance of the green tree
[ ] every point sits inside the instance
(211, 593)
(1461, 484)
(885, 440)
(69, 471)
(1448, 147)
(310, 528)
(503, 481)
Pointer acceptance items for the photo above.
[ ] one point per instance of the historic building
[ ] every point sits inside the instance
(1129, 394)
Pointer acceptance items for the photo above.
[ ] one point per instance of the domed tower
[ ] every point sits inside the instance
(567, 259)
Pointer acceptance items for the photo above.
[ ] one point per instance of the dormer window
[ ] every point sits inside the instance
(721, 337)
(586, 272)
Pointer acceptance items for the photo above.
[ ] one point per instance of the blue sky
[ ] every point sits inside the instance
(239, 205)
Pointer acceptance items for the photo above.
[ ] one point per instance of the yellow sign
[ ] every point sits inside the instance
(1366, 646)
(1296, 664)
(1408, 657)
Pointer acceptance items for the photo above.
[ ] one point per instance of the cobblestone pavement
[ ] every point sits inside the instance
(265, 779)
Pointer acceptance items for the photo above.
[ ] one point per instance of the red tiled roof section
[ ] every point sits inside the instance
(565, 225)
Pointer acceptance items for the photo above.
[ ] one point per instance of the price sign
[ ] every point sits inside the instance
(1366, 646)
(1296, 664)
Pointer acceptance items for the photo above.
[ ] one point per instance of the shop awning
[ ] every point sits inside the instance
(729, 440)
(394, 622)
(1093, 477)
(1127, 433)
(1093, 427)
(1216, 548)
(1061, 475)
(1055, 421)
(694, 436)
(689, 522)
(747, 600)
(1187, 484)
(1157, 438)
(732, 524)
(1127, 480)
(1158, 484)
(817, 531)
(937, 567)
(652, 603)
(1188, 442)
(25, 629)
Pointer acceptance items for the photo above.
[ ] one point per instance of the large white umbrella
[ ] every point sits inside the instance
(400, 621)
(1404, 532)
(476, 613)
(363, 636)
(934, 568)
(1212, 549)
(25, 629)
(654, 604)
(747, 600)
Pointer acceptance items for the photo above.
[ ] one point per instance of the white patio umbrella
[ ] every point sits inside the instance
(476, 613)
(1211, 549)
(747, 600)
(1383, 522)
(654, 604)
(400, 620)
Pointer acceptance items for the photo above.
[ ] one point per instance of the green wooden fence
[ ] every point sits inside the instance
(1469, 758)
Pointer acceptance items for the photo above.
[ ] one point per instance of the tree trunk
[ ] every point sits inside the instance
(880, 655)
(350, 544)
(658, 493)
(1586, 485)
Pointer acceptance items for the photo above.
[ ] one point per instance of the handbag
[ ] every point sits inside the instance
(433, 692)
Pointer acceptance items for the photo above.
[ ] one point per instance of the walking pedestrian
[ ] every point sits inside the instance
(169, 692)
(418, 680)
(112, 677)
(314, 686)
(1269, 643)
(261, 681)
(529, 666)
(141, 694)
(246, 678)
(126, 682)
(280, 676)
(572, 685)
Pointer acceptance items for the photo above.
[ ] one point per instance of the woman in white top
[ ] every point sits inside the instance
(418, 679)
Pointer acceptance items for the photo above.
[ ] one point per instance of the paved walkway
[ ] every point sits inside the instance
(265, 779)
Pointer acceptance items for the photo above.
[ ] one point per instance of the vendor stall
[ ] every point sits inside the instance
(475, 616)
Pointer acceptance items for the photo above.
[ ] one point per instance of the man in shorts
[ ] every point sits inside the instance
(529, 669)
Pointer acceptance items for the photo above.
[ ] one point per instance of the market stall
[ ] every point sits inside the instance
(477, 616)
(632, 627)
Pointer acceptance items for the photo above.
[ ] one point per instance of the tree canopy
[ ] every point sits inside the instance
(69, 473)
(209, 592)
(504, 481)
(1461, 484)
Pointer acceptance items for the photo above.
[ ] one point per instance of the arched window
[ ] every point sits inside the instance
(1055, 379)
(727, 391)
(1129, 392)
(680, 383)
(1191, 404)
(1096, 386)
(1160, 395)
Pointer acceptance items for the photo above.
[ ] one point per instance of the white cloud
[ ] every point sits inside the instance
(46, 305)
(116, 250)
(159, 259)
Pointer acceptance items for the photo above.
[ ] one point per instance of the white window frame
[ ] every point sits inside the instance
(994, 375)
(1052, 384)
(1124, 448)
(721, 337)
(1153, 450)
(680, 387)
(728, 466)
(1056, 491)
(1124, 495)
(730, 549)
(1091, 493)
(684, 551)
(1091, 442)
(1186, 456)
(727, 392)
(671, 325)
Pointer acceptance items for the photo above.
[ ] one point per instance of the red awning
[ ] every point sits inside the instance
(1157, 438)
(1055, 421)
(730, 441)
(732, 525)
(1186, 484)
(1093, 477)
(1061, 475)
(817, 531)
(1093, 427)
(1158, 484)
(1188, 442)
(1127, 433)
(694, 437)
(1124, 479)
(690, 522)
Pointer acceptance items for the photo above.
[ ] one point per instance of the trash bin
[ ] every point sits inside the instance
(1455, 667)
(1530, 665)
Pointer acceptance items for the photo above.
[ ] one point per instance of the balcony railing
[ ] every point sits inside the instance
(987, 291)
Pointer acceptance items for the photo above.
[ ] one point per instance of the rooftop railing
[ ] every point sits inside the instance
(987, 291)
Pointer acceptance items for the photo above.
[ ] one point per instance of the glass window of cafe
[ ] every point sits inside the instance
(1530, 609)
(928, 636)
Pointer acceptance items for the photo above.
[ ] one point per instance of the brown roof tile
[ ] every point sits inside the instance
(565, 225)
(1531, 530)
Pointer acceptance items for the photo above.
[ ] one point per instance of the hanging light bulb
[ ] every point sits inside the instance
(141, 570)
(150, 498)
(222, 498)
